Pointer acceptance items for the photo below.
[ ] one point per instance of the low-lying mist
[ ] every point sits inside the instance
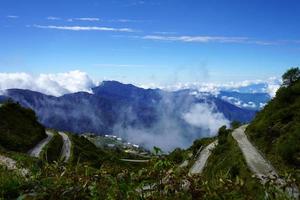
(178, 124)
(202, 120)
(146, 117)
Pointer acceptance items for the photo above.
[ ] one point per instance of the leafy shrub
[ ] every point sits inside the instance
(177, 156)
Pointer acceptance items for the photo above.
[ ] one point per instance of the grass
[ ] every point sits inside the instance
(10, 184)
(227, 161)
(52, 151)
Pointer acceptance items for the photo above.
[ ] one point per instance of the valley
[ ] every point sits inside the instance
(232, 164)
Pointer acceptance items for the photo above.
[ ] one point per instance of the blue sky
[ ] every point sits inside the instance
(151, 41)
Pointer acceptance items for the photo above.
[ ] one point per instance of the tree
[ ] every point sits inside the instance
(235, 124)
(222, 135)
(291, 76)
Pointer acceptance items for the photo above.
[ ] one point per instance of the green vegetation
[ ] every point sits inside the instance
(157, 180)
(177, 156)
(52, 151)
(291, 76)
(86, 152)
(200, 143)
(10, 184)
(227, 161)
(19, 128)
(235, 124)
(98, 173)
(276, 129)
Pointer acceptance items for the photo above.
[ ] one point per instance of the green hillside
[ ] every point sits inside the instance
(228, 163)
(52, 151)
(19, 128)
(100, 173)
(276, 129)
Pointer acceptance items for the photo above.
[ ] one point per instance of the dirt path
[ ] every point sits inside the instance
(257, 164)
(35, 152)
(200, 163)
(66, 148)
(11, 164)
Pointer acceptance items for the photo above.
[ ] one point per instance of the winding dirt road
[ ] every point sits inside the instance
(200, 163)
(257, 164)
(35, 152)
(66, 148)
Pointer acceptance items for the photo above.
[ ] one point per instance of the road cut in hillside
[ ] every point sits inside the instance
(36, 151)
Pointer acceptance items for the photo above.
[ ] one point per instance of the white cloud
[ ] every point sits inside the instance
(232, 100)
(273, 85)
(207, 39)
(127, 20)
(261, 105)
(52, 84)
(85, 28)
(53, 18)
(62, 83)
(91, 19)
(201, 39)
(12, 16)
(206, 117)
(269, 86)
(250, 104)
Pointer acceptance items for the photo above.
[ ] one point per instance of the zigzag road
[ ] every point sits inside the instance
(66, 149)
(36, 151)
(200, 163)
(257, 164)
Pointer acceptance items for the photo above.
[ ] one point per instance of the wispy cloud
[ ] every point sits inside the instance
(53, 18)
(85, 28)
(91, 19)
(127, 20)
(207, 39)
(201, 39)
(12, 16)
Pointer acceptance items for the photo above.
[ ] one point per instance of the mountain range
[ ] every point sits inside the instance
(127, 110)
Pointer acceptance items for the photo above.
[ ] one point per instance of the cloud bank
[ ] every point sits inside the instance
(269, 86)
(75, 81)
(52, 84)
